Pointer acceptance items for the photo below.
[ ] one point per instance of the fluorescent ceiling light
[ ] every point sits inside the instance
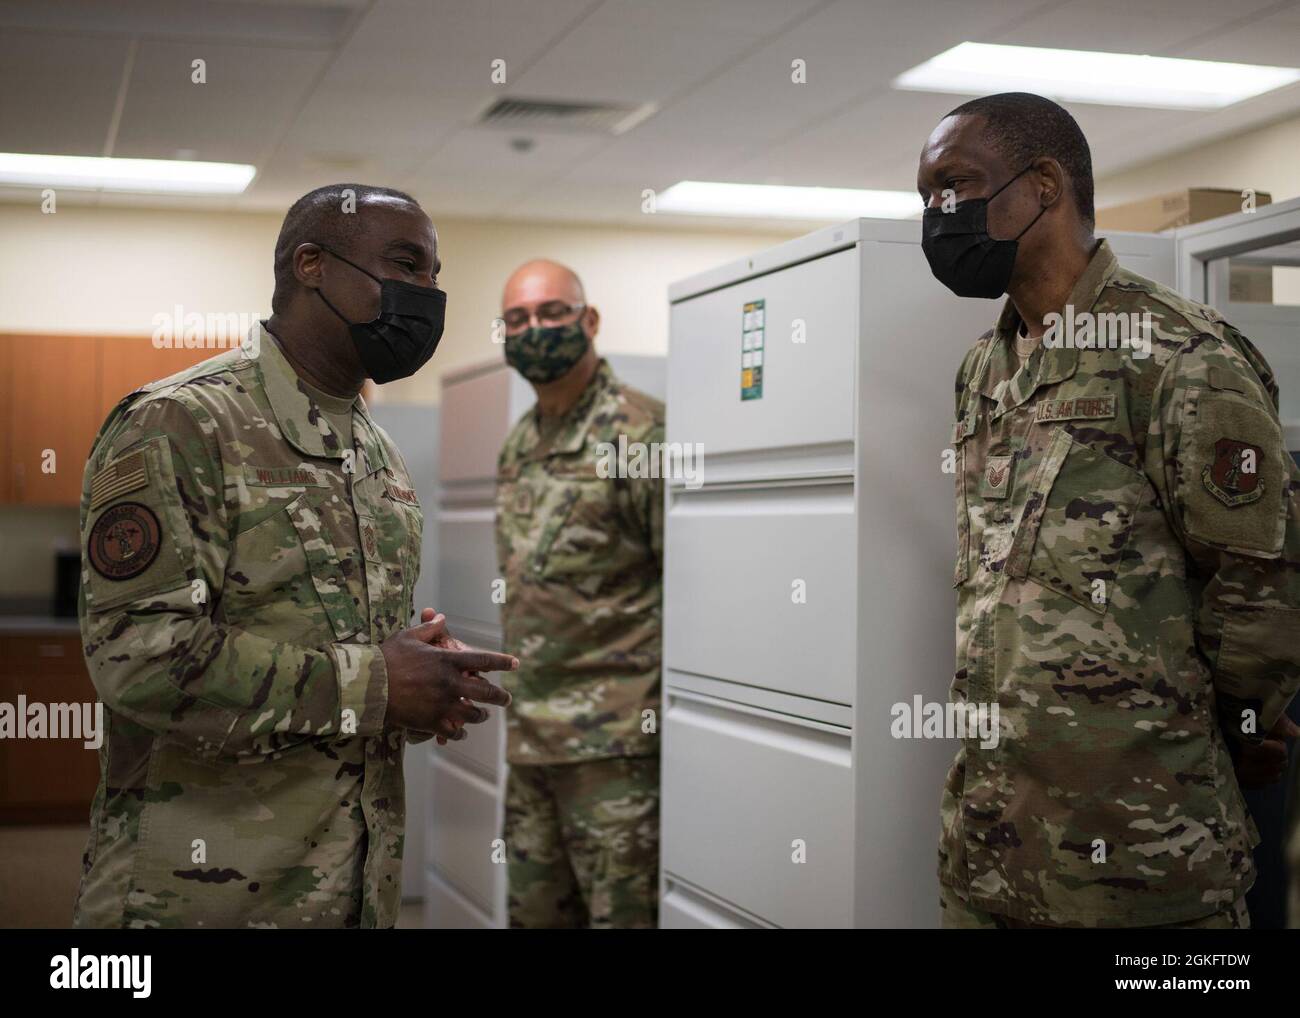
(1110, 79)
(772, 201)
(175, 176)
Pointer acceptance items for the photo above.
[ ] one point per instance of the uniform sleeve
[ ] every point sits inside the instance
(1231, 493)
(498, 528)
(155, 545)
(648, 498)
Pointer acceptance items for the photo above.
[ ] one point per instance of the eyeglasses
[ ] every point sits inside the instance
(553, 312)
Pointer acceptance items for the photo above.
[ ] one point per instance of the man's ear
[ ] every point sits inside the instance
(307, 266)
(1051, 177)
(593, 321)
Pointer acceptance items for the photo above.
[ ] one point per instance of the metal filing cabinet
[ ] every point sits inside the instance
(464, 888)
(808, 579)
(414, 429)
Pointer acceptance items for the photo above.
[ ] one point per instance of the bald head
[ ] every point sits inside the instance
(541, 281)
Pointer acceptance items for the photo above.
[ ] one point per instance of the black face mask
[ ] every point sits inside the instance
(405, 333)
(962, 255)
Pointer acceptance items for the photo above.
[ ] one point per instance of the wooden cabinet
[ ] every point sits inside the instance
(57, 390)
(53, 412)
(128, 362)
(6, 439)
(46, 780)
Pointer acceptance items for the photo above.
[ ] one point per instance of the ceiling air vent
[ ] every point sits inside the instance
(562, 116)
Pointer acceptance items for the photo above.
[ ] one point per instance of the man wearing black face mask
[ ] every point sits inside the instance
(580, 543)
(1128, 553)
(252, 543)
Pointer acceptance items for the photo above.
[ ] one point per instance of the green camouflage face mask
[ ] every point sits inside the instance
(545, 354)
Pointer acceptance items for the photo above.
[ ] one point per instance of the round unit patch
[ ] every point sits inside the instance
(124, 541)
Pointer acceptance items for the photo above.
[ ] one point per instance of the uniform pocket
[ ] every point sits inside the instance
(411, 567)
(582, 524)
(324, 566)
(962, 430)
(391, 543)
(1077, 520)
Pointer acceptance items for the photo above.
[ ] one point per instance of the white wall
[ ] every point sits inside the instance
(1265, 158)
(110, 270)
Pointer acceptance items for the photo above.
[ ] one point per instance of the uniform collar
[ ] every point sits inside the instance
(1011, 383)
(576, 423)
(301, 421)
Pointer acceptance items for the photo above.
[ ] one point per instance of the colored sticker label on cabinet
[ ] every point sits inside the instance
(752, 330)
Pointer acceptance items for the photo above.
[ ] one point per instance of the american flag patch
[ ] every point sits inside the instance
(118, 478)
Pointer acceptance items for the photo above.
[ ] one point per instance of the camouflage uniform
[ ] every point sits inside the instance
(581, 555)
(240, 568)
(583, 843)
(1122, 586)
(959, 914)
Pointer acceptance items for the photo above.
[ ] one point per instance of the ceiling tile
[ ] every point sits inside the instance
(165, 111)
(57, 93)
(318, 91)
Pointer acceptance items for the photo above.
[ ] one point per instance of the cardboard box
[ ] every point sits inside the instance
(1181, 208)
(1249, 283)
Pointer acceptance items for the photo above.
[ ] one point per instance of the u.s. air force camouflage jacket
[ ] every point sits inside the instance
(240, 568)
(581, 555)
(1128, 583)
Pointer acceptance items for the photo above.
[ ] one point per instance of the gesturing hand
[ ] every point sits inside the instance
(434, 681)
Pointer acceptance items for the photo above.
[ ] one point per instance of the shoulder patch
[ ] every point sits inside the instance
(124, 541)
(1232, 474)
(1233, 478)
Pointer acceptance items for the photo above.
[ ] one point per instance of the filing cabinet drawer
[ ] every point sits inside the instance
(743, 790)
(807, 395)
(483, 751)
(759, 588)
(683, 908)
(468, 564)
(476, 417)
(446, 909)
(464, 819)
